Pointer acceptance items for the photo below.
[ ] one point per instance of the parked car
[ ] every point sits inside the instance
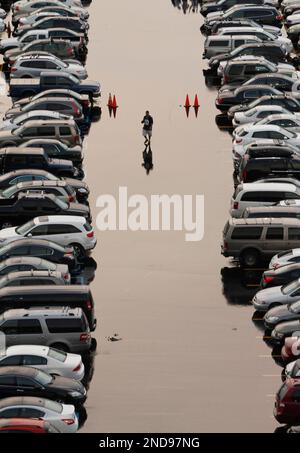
(24, 88)
(261, 33)
(280, 276)
(13, 158)
(59, 327)
(62, 9)
(24, 7)
(253, 194)
(40, 248)
(282, 313)
(216, 45)
(32, 115)
(244, 135)
(252, 241)
(223, 5)
(285, 258)
(281, 82)
(24, 205)
(292, 370)
(57, 149)
(58, 47)
(70, 23)
(60, 189)
(263, 167)
(65, 230)
(44, 358)
(28, 263)
(33, 382)
(273, 212)
(243, 94)
(287, 121)
(214, 26)
(258, 113)
(241, 69)
(277, 295)
(262, 149)
(284, 330)
(32, 66)
(287, 403)
(27, 278)
(264, 14)
(26, 426)
(78, 190)
(290, 349)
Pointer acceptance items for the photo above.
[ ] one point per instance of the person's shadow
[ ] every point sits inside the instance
(148, 158)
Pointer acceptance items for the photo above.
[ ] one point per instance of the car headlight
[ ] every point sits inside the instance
(75, 394)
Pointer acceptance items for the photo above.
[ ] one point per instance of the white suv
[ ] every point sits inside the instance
(63, 230)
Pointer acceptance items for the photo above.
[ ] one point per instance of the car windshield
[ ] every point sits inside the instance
(289, 287)
(3, 281)
(9, 192)
(43, 378)
(57, 355)
(61, 204)
(23, 229)
(295, 307)
(250, 112)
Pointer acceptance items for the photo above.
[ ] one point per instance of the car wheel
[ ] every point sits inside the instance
(79, 250)
(60, 346)
(249, 257)
(93, 345)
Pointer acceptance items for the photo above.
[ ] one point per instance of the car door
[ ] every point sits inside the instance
(30, 332)
(272, 240)
(27, 386)
(8, 386)
(35, 361)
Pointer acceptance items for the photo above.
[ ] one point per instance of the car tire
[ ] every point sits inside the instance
(93, 345)
(61, 346)
(283, 375)
(79, 250)
(249, 258)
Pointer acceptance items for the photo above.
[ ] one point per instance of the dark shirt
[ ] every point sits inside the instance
(147, 122)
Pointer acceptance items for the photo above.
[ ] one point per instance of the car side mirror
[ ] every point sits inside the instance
(29, 235)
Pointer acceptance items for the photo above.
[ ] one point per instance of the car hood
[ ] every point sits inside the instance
(12, 112)
(63, 383)
(271, 294)
(281, 311)
(288, 327)
(8, 233)
(213, 16)
(80, 208)
(5, 134)
(9, 42)
(90, 83)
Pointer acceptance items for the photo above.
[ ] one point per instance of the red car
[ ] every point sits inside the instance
(26, 425)
(291, 349)
(287, 404)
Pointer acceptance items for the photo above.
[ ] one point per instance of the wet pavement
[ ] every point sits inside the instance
(190, 359)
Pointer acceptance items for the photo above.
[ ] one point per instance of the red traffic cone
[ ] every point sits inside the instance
(109, 104)
(187, 102)
(196, 102)
(114, 103)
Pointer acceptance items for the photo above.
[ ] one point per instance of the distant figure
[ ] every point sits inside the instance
(147, 128)
(148, 158)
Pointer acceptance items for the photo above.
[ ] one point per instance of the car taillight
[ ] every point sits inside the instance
(225, 245)
(226, 79)
(84, 337)
(220, 100)
(71, 199)
(85, 103)
(68, 421)
(77, 368)
(244, 176)
(268, 279)
(76, 109)
(279, 17)
(66, 277)
(236, 205)
(76, 140)
(89, 305)
(16, 8)
(13, 69)
(70, 51)
(90, 234)
(238, 140)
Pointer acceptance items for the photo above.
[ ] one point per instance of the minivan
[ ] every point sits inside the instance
(72, 296)
(256, 194)
(253, 240)
(63, 328)
(215, 45)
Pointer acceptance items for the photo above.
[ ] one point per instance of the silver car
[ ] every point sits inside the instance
(32, 66)
(277, 295)
(287, 121)
(21, 119)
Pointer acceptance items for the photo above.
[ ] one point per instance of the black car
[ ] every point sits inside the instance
(40, 248)
(265, 14)
(281, 82)
(280, 276)
(14, 158)
(242, 95)
(14, 177)
(213, 27)
(27, 381)
(284, 100)
(263, 167)
(272, 51)
(256, 149)
(223, 5)
(26, 205)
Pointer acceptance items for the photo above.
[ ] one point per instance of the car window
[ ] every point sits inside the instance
(246, 233)
(29, 360)
(274, 233)
(294, 234)
(261, 196)
(30, 412)
(14, 360)
(65, 131)
(40, 230)
(25, 382)
(9, 327)
(40, 251)
(29, 326)
(8, 381)
(46, 131)
(65, 325)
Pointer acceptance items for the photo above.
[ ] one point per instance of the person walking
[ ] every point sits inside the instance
(147, 127)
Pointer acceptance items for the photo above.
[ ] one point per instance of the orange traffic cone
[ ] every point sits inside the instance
(114, 103)
(187, 101)
(196, 102)
(109, 104)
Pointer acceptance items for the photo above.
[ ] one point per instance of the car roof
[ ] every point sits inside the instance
(17, 150)
(69, 219)
(47, 183)
(22, 400)
(265, 221)
(49, 122)
(30, 273)
(283, 209)
(44, 312)
(48, 289)
(31, 349)
(280, 116)
(21, 260)
(29, 241)
(272, 186)
(18, 370)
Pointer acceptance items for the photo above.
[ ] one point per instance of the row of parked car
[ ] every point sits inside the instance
(47, 308)
(253, 63)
